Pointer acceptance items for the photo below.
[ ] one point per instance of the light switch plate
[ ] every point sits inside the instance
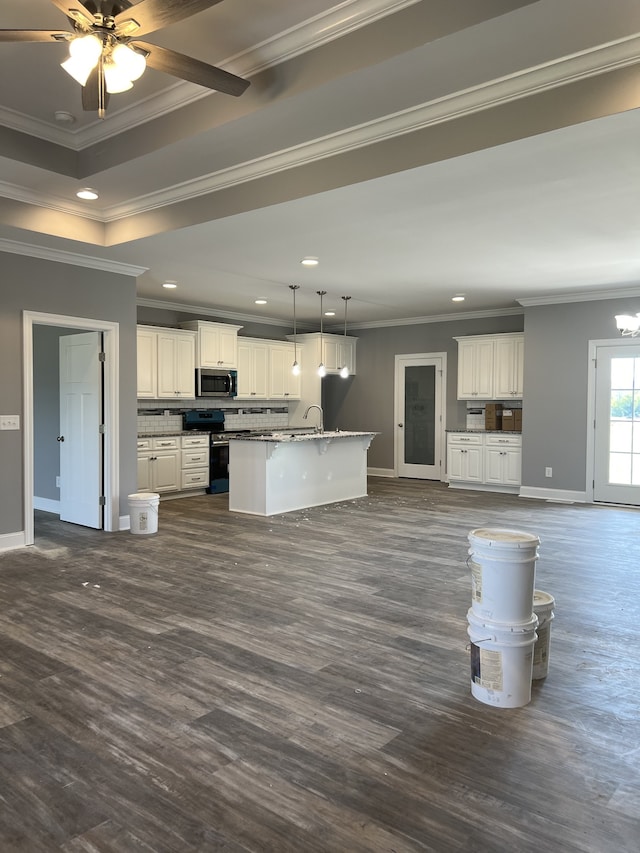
(9, 421)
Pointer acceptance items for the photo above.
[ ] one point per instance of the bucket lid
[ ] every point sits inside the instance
(144, 496)
(542, 600)
(503, 628)
(499, 538)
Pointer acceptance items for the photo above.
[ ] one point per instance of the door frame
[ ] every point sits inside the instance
(398, 409)
(111, 413)
(622, 343)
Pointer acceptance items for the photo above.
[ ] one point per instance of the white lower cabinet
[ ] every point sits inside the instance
(502, 459)
(464, 457)
(173, 463)
(490, 461)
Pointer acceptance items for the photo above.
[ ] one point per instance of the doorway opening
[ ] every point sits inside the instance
(109, 440)
(420, 383)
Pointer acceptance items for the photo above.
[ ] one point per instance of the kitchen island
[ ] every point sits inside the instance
(280, 472)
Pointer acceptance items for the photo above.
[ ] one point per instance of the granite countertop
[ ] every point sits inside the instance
(488, 431)
(305, 436)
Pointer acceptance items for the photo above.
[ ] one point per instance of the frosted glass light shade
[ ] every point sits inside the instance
(344, 372)
(295, 368)
(84, 53)
(115, 79)
(129, 62)
(322, 370)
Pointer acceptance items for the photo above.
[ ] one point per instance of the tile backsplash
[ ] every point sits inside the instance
(167, 418)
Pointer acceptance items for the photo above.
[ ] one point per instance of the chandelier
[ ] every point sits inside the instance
(627, 325)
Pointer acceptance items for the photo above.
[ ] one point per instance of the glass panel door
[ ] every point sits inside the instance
(617, 426)
(419, 426)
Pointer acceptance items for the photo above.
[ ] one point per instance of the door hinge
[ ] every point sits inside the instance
(102, 501)
(102, 356)
(101, 429)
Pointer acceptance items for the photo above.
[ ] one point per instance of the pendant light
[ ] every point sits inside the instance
(322, 370)
(344, 370)
(295, 367)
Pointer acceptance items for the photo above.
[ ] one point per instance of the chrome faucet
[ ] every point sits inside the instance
(319, 408)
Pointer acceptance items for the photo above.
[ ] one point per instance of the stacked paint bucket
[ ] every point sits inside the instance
(502, 620)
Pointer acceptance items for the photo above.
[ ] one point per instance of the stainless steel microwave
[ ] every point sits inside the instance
(216, 382)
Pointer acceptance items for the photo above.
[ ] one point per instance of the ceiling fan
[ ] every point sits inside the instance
(106, 56)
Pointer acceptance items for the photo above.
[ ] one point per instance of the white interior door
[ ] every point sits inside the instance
(80, 439)
(617, 425)
(419, 431)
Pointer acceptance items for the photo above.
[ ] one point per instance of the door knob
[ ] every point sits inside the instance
(400, 425)
(60, 438)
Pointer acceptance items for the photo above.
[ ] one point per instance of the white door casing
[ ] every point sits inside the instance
(616, 422)
(111, 334)
(420, 382)
(79, 440)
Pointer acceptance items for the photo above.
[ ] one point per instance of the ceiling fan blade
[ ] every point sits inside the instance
(155, 14)
(95, 97)
(34, 35)
(192, 69)
(76, 12)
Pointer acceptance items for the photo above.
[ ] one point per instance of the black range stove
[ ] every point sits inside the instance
(212, 421)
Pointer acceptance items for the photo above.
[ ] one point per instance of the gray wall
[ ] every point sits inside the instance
(149, 316)
(367, 400)
(38, 285)
(556, 369)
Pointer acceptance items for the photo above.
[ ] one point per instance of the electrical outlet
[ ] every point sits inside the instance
(548, 472)
(9, 421)
(57, 482)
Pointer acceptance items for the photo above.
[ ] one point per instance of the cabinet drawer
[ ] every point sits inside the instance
(144, 444)
(166, 443)
(195, 458)
(463, 439)
(195, 441)
(503, 440)
(196, 478)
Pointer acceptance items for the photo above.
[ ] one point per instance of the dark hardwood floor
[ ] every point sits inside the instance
(300, 684)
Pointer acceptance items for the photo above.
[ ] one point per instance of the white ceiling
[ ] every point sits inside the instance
(416, 149)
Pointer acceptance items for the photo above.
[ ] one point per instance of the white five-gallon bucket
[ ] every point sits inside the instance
(143, 512)
(543, 604)
(503, 564)
(501, 661)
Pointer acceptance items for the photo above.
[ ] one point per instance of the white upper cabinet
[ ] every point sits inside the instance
(217, 344)
(509, 364)
(490, 367)
(147, 360)
(253, 354)
(334, 351)
(475, 368)
(165, 363)
(283, 385)
(176, 364)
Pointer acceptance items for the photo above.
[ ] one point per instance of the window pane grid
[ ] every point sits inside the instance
(624, 422)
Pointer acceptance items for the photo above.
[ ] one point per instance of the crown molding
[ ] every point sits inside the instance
(189, 308)
(44, 253)
(522, 84)
(584, 296)
(340, 20)
(438, 318)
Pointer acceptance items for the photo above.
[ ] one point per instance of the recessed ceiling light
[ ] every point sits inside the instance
(87, 193)
(63, 117)
(170, 285)
(458, 298)
(329, 313)
(310, 262)
(261, 301)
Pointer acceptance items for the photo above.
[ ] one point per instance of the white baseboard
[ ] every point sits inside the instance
(554, 495)
(46, 505)
(9, 541)
(124, 522)
(381, 472)
(484, 487)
